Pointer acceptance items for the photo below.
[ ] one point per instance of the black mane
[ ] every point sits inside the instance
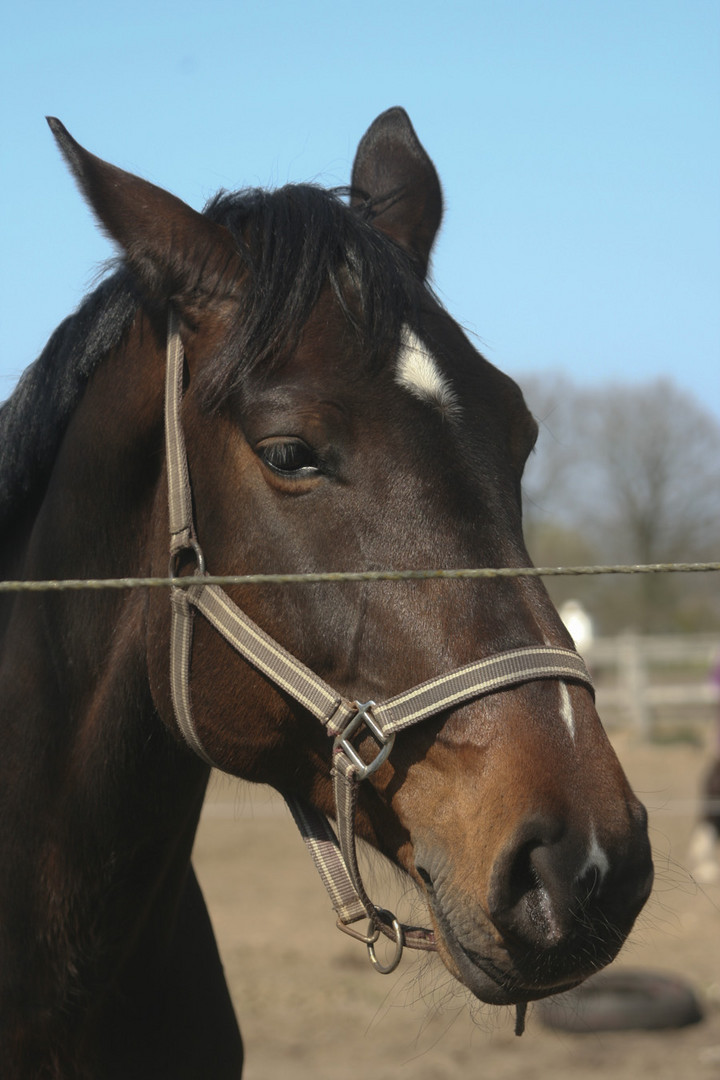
(34, 418)
(293, 243)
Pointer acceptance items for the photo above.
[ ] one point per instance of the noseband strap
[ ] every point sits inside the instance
(334, 855)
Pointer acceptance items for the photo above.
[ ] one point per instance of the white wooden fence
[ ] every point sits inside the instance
(638, 677)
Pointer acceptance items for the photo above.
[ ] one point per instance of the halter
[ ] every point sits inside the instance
(335, 856)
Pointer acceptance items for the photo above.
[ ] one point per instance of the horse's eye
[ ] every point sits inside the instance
(289, 457)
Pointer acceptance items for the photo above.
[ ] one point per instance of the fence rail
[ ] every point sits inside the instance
(640, 676)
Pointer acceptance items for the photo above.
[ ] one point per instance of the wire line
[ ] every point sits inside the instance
(79, 584)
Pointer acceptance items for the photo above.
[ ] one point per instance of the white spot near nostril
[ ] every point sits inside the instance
(418, 371)
(596, 859)
(566, 709)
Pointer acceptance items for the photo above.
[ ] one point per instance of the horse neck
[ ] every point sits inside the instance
(98, 801)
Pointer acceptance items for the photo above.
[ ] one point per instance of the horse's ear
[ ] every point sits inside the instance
(172, 249)
(393, 170)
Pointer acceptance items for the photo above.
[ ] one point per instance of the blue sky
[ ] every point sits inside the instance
(578, 143)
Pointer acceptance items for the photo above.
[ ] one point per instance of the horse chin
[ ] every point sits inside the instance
(495, 987)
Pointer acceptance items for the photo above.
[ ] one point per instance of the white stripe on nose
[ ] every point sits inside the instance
(566, 710)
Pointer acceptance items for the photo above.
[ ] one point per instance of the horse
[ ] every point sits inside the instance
(704, 845)
(281, 359)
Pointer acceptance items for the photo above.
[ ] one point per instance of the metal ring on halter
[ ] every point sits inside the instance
(194, 547)
(385, 969)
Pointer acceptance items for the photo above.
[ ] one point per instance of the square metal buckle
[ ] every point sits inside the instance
(342, 741)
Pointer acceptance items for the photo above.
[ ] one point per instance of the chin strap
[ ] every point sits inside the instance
(334, 854)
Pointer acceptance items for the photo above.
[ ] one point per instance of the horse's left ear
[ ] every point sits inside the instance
(174, 252)
(392, 169)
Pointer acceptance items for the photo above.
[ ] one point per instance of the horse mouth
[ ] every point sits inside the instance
(498, 981)
(496, 987)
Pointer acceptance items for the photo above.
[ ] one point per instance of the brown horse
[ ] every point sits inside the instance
(334, 418)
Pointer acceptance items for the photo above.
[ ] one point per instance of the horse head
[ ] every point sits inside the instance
(337, 418)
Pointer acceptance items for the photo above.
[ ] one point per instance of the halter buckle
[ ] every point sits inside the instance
(342, 741)
(368, 939)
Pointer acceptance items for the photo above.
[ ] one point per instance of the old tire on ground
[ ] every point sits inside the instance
(622, 1001)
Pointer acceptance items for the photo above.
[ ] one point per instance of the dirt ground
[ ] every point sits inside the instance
(311, 1008)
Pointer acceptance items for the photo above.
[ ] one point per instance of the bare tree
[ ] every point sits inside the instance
(635, 470)
(551, 476)
(656, 457)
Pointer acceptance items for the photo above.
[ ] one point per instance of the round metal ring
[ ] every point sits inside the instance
(385, 969)
(194, 547)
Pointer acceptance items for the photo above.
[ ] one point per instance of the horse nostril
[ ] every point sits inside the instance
(523, 876)
(549, 883)
(516, 872)
(515, 887)
(522, 900)
(425, 878)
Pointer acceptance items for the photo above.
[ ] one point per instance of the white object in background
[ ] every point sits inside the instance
(578, 623)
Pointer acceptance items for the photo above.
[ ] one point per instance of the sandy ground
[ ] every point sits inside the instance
(311, 1008)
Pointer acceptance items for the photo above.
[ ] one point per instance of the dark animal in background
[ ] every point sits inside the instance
(704, 852)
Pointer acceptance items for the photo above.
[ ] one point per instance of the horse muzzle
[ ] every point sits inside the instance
(554, 911)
